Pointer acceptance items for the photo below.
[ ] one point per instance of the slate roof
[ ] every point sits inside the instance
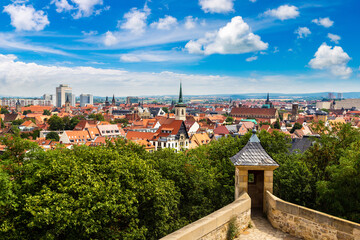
(253, 154)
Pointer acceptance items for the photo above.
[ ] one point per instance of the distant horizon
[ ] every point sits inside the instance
(255, 95)
(144, 48)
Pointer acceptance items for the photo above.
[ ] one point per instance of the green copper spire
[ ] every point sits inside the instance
(180, 95)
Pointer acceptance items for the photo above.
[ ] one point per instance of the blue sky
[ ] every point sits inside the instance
(146, 47)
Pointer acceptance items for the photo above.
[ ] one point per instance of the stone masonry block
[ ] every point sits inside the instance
(287, 208)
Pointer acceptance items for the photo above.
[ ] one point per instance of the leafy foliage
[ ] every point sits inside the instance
(52, 136)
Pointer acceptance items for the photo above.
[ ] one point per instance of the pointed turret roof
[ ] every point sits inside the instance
(253, 154)
(113, 99)
(268, 98)
(180, 94)
(67, 99)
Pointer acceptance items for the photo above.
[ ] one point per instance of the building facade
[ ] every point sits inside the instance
(86, 99)
(62, 93)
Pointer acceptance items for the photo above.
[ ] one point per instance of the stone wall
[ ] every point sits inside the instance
(215, 225)
(307, 223)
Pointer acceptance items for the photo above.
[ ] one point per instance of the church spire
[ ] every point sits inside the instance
(113, 100)
(268, 98)
(180, 94)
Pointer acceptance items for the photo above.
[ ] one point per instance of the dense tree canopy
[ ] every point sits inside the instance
(120, 191)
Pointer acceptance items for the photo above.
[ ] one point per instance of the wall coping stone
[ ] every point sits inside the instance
(213, 221)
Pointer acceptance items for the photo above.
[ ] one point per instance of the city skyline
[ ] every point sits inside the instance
(145, 48)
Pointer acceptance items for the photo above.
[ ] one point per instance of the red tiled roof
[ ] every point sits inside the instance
(175, 125)
(133, 135)
(270, 112)
(221, 130)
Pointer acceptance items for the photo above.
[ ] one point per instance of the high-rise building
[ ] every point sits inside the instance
(340, 96)
(86, 99)
(62, 93)
(331, 95)
(49, 97)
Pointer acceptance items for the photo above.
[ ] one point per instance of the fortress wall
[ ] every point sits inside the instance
(215, 225)
(307, 223)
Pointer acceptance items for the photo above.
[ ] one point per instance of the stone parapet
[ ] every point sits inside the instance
(309, 224)
(215, 225)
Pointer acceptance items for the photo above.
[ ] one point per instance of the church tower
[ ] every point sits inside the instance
(180, 108)
(113, 102)
(107, 103)
(67, 105)
(18, 106)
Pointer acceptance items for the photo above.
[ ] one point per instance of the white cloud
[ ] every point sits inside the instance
(334, 38)
(15, 74)
(302, 32)
(325, 22)
(90, 33)
(190, 22)
(80, 8)
(235, 38)
(217, 6)
(165, 23)
(253, 58)
(283, 12)
(135, 20)
(157, 56)
(26, 18)
(85, 7)
(110, 39)
(252, 1)
(62, 5)
(333, 59)
(9, 41)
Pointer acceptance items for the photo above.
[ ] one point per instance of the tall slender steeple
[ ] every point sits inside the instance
(180, 107)
(113, 100)
(67, 104)
(268, 98)
(180, 94)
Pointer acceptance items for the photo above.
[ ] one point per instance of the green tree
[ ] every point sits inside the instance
(97, 117)
(296, 126)
(88, 193)
(277, 124)
(47, 112)
(4, 111)
(165, 109)
(52, 136)
(229, 120)
(18, 122)
(56, 123)
(26, 112)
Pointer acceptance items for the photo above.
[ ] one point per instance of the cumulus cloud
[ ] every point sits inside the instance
(85, 7)
(283, 12)
(253, 58)
(190, 22)
(333, 59)
(325, 22)
(217, 6)
(135, 20)
(234, 38)
(15, 74)
(165, 23)
(26, 18)
(334, 38)
(62, 5)
(80, 8)
(110, 39)
(302, 32)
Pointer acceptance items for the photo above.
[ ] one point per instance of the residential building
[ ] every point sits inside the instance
(253, 113)
(109, 130)
(75, 137)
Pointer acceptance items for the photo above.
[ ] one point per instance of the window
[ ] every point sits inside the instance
(182, 112)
